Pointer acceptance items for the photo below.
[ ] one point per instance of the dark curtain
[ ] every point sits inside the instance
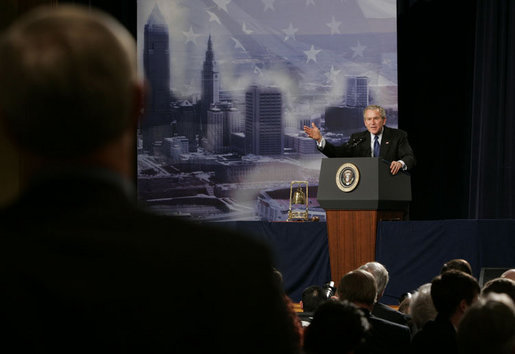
(492, 177)
(435, 63)
(457, 102)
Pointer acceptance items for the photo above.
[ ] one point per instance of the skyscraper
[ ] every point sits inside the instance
(156, 63)
(263, 121)
(357, 91)
(186, 117)
(221, 122)
(210, 84)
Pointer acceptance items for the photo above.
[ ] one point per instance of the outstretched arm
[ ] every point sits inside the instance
(313, 132)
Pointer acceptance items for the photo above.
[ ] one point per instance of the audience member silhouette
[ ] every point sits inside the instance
(297, 337)
(452, 292)
(338, 327)
(457, 264)
(500, 286)
(82, 268)
(382, 310)
(405, 302)
(312, 297)
(488, 327)
(422, 309)
(510, 274)
(359, 288)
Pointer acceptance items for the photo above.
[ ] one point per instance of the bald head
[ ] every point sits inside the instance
(380, 275)
(510, 274)
(68, 81)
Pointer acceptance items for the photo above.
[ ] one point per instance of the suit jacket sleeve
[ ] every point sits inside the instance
(345, 150)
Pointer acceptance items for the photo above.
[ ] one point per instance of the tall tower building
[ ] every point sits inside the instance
(263, 121)
(221, 122)
(156, 63)
(357, 91)
(210, 91)
(186, 117)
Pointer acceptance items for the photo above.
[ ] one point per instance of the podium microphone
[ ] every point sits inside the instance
(356, 142)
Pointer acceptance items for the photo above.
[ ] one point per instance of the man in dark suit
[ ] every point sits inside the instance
(382, 310)
(452, 292)
(82, 267)
(359, 288)
(378, 141)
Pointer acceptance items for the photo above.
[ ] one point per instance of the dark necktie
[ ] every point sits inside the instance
(377, 147)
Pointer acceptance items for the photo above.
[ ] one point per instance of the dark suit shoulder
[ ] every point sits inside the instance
(394, 131)
(385, 337)
(386, 312)
(437, 336)
(390, 327)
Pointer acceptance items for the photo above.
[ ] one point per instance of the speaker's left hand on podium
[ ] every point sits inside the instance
(395, 167)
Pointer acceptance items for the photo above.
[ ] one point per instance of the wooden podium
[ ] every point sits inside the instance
(356, 194)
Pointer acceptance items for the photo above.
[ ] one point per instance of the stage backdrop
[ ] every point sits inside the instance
(232, 82)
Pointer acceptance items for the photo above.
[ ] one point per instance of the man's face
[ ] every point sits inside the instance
(373, 121)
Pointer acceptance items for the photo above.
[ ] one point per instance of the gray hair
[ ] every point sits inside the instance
(421, 308)
(488, 326)
(380, 275)
(374, 107)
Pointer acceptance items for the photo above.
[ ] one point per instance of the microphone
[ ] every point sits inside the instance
(356, 142)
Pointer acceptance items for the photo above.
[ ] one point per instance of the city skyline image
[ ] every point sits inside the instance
(231, 84)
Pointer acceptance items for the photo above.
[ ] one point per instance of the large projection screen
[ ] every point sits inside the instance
(231, 84)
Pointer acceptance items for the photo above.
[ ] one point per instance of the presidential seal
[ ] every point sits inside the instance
(347, 177)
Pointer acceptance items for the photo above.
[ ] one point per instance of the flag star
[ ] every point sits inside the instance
(245, 29)
(237, 44)
(191, 36)
(358, 50)
(334, 26)
(222, 4)
(290, 32)
(332, 75)
(258, 71)
(213, 17)
(310, 2)
(269, 4)
(312, 54)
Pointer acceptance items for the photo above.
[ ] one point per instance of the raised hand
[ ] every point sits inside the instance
(313, 132)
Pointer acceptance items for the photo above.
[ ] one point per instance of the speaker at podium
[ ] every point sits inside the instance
(356, 194)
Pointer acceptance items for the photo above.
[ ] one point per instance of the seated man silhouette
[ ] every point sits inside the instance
(312, 297)
(488, 327)
(452, 292)
(359, 288)
(382, 310)
(338, 327)
(457, 264)
(82, 268)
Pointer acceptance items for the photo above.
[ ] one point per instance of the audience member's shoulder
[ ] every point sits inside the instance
(386, 312)
(395, 330)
